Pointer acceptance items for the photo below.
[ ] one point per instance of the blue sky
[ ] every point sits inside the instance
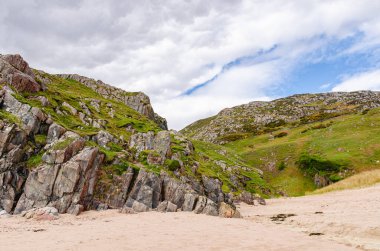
(195, 58)
(320, 70)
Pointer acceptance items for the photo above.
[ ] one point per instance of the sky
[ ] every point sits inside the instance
(195, 58)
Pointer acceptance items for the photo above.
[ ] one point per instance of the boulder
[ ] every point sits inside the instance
(142, 142)
(162, 206)
(45, 213)
(167, 206)
(190, 201)
(54, 133)
(103, 138)
(127, 210)
(171, 207)
(30, 117)
(201, 204)
(211, 208)
(4, 214)
(213, 189)
(140, 207)
(228, 211)
(15, 71)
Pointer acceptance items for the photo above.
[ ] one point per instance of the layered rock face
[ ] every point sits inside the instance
(66, 177)
(16, 72)
(136, 100)
(141, 191)
(257, 117)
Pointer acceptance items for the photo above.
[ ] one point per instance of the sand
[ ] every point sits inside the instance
(350, 220)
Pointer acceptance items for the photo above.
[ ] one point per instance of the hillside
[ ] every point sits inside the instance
(301, 142)
(74, 143)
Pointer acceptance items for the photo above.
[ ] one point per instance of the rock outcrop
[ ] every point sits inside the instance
(136, 100)
(50, 163)
(16, 72)
(257, 117)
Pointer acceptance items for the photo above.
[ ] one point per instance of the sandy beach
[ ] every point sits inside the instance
(347, 220)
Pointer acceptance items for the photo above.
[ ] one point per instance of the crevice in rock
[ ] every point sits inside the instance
(132, 184)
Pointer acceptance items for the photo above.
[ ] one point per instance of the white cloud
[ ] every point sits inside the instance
(362, 81)
(167, 47)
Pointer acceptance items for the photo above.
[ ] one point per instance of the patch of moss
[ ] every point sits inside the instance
(40, 139)
(173, 165)
(34, 161)
(9, 117)
(60, 145)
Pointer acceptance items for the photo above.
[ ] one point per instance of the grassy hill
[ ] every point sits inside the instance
(351, 142)
(299, 157)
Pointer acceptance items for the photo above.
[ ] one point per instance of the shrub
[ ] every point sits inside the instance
(316, 165)
(281, 134)
(282, 166)
(173, 165)
(276, 123)
(232, 137)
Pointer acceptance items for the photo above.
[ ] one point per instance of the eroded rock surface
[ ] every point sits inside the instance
(15, 71)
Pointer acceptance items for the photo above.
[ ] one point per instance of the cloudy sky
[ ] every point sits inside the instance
(195, 57)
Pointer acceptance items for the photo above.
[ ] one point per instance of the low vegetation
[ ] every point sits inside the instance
(335, 148)
(360, 180)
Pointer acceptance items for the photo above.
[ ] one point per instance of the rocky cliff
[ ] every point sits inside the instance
(136, 100)
(71, 143)
(261, 117)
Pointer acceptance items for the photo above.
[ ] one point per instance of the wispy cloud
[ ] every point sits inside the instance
(369, 80)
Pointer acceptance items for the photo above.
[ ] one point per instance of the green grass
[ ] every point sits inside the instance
(40, 139)
(71, 92)
(208, 153)
(9, 117)
(363, 179)
(60, 145)
(349, 141)
(34, 161)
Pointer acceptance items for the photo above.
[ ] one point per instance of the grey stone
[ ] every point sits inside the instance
(201, 204)
(211, 208)
(189, 203)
